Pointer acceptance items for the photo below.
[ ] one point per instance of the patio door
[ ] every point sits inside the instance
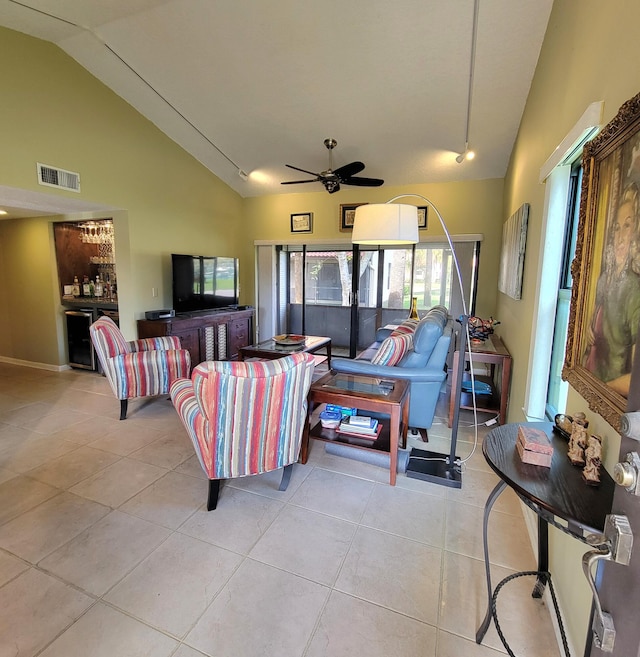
(324, 294)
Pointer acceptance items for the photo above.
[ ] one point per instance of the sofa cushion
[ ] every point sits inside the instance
(393, 349)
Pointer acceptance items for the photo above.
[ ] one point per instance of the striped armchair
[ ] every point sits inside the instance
(245, 418)
(141, 368)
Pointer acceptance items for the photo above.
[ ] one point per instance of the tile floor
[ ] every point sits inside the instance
(106, 548)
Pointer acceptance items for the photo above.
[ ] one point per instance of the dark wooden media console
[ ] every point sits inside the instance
(211, 335)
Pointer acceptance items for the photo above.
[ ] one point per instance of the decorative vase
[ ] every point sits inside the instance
(413, 313)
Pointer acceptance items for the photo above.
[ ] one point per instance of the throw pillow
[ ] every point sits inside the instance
(393, 349)
(407, 327)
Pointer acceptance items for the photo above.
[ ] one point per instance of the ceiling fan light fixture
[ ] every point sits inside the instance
(384, 223)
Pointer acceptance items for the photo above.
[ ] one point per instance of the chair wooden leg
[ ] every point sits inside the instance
(214, 489)
(123, 408)
(286, 476)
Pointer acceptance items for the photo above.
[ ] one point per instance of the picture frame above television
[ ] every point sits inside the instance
(203, 283)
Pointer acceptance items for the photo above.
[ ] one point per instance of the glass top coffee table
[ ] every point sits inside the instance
(366, 393)
(284, 345)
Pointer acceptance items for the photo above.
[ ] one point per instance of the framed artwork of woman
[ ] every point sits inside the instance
(605, 301)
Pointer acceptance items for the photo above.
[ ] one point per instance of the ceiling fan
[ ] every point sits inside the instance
(342, 175)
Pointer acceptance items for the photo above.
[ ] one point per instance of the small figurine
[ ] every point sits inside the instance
(593, 455)
(578, 439)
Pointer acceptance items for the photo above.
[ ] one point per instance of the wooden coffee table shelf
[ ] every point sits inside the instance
(366, 394)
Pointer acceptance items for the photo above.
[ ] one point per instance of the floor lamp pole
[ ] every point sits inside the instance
(457, 393)
(439, 468)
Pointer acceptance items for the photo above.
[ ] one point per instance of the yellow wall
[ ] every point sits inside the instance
(590, 53)
(56, 113)
(466, 207)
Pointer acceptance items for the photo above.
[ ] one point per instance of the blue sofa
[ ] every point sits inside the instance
(423, 365)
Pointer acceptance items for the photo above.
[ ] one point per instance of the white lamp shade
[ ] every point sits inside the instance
(385, 223)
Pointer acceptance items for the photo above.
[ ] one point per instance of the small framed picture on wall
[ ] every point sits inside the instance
(348, 215)
(302, 222)
(422, 217)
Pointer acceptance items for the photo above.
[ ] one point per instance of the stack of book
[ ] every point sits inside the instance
(360, 425)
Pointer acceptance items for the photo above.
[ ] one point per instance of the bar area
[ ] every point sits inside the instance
(86, 262)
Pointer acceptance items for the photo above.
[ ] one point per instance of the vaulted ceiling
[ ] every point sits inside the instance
(253, 85)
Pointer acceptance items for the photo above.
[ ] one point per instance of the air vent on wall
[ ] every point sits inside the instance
(54, 177)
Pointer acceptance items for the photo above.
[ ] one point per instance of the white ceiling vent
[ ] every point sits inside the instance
(54, 177)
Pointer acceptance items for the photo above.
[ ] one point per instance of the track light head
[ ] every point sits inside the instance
(465, 155)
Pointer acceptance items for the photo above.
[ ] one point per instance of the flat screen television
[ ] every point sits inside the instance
(204, 282)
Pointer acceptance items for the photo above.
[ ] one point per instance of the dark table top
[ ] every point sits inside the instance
(560, 490)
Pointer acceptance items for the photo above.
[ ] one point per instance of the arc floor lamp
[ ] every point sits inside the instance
(397, 223)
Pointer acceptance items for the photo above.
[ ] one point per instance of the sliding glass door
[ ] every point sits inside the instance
(324, 295)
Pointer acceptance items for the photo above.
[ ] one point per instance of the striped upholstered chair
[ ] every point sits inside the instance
(141, 368)
(245, 418)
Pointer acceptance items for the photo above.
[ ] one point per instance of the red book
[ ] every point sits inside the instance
(534, 440)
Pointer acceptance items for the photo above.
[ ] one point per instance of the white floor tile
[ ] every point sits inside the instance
(106, 632)
(103, 554)
(373, 572)
(335, 494)
(20, 494)
(118, 482)
(355, 627)
(182, 569)
(261, 611)
(237, 524)
(340, 564)
(35, 609)
(168, 501)
(406, 513)
(38, 532)
(306, 543)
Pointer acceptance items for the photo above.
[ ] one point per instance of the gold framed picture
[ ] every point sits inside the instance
(605, 295)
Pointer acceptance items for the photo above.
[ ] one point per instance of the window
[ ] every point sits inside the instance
(558, 389)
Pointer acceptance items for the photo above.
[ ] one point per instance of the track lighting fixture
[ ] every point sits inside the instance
(465, 155)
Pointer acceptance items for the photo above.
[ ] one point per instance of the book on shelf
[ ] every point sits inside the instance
(364, 435)
(361, 421)
(369, 429)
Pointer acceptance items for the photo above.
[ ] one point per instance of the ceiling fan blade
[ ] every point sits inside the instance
(303, 170)
(349, 170)
(296, 182)
(363, 182)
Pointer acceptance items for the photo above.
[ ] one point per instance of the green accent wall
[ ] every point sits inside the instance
(55, 112)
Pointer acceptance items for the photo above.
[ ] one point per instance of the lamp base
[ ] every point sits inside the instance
(433, 467)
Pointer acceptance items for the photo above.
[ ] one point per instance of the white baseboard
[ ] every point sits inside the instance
(37, 366)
